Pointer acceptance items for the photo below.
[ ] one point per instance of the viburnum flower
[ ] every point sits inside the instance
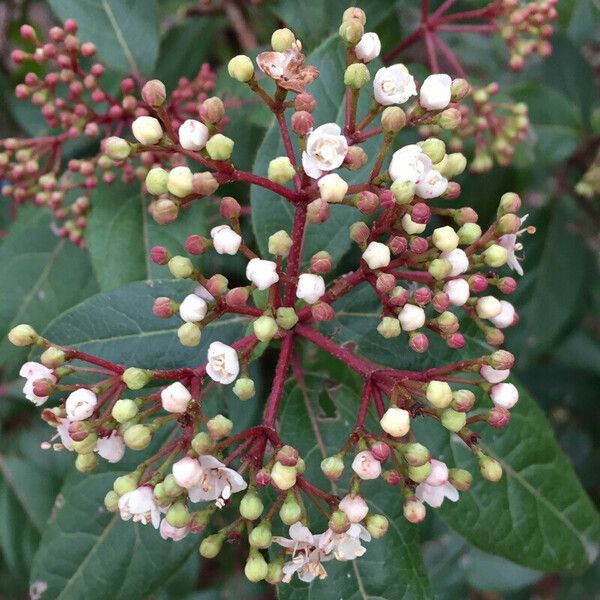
(168, 532)
(368, 48)
(140, 505)
(287, 68)
(192, 309)
(506, 317)
(187, 472)
(347, 545)
(175, 398)
(435, 92)
(326, 149)
(393, 85)
(310, 287)
(436, 487)
(80, 404)
(34, 371)
(355, 507)
(509, 241)
(409, 163)
(223, 364)
(193, 135)
(262, 273)
(366, 466)
(111, 448)
(431, 185)
(225, 240)
(63, 432)
(218, 482)
(492, 375)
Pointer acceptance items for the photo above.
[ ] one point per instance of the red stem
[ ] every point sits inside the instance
(295, 255)
(281, 370)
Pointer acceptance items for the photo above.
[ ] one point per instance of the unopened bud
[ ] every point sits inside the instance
(240, 67)
(317, 211)
(283, 477)
(351, 31)
(181, 267)
(211, 545)
(251, 506)
(377, 525)
(453, 420)
(178, 515)
(219, 147)
(356, 75)
(86, 463)
(498, 417)
(124, 410)
(156, 181)
(434, 148)
(333, 467)
(282, 39)
(219, 427)
(280, 243)
(22, 335)
(52, 357)
(165, 211)
(136, 379)
(286, 317)
(137, 437)
(415, 454)
(389, 327)
(204, 184)
(202, 443)
(490, 468)
(212, 110)
(189, 335)
(449, 119)
(460, 479)
(265, 328)
(356, 158)
(154, 93)
(463, 400)
(393, 119)
(339, 522)
(116, 148)
(244, 388)
(420, 474)
(281, 170)
(469, 233)
(414, 510)
(290, 511)
(439, 394)
(495, 255)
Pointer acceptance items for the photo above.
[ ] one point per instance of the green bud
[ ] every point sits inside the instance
(181, 267)
(211, 545)
(351, 31)
(111, 501)
(240, 67)
(171, 488)
(161, 495)
(290, 511)
(282, 39)
(439, 268)
(452, 420)
(251, 506)
(265, 328)
(460, 479)
(393, 119)
(281, 170)
(156, 181)
(256, 567)
(116, 148)
(449, 119)
(178, 515)
(404, 191)
(86, 445)
(300, 465)
(490, 469)
(189, 335)
(434, 148)
(86, 463)
(415, 454)
(53, 358)
(439, 394)
(509, 203)
(456, 164)
(124, 410)
(274, 573)
(22, 335)
(219, 147)
(377, 525)
(126, 483)
(339, 522)
(202, 443)
(219, 427)
(356, 75)
(353, 12)
(283, 477)
(280, 243)
(495, 256)
(420, 474)
(469, 233)
(333, 467)
(286, 317)
(243, 388)
(137, 437)
(389, 327)
(260, 536)
(136, 379)
(179, 181)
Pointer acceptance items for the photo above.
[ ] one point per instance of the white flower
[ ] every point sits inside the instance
(225, 239)
(332, 187)
(366, 466)
(33, 371)
(111, 448)
(377, 255)
(395, 421)
(63, 432)
(310, 287)
(435, 93)
(492, 375)
(355, 507)
(459, 261)
(193, 135)
(80, 404)
(175, 398)
(436, 487)
(223, 364)
(458, 291)
(168, 532)
(345, 546)
(505, 395)
(506, 316)
(409, 163)
(147, 130)
(187, 472)
(326, 149)
(411, 317)
(368, 48)
(140, 505)
(218, 482)
(411, 227)
(262, 273)
(431, 185)
(192, 309)
(509, 241)
(393, 85)
(307, 554)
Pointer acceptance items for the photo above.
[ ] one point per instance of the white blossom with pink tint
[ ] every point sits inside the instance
(492, 375)
(111, 448)
(511, 243)
(346, 546)
(436, 487)
(140, 505)
(326, 149)
(217, 482)
(355, 507)
(168, 532)
(34, 371)
(505, 395)
(366, 466)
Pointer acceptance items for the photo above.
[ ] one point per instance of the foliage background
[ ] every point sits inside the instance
(94, 556)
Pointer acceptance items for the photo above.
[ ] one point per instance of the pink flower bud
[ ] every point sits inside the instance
(456, 341)
(321, 262)
(366, 466)
(187, 472)
(160, 255)
(421, 213)
(162, 308)
(366, 202)
(381, 451)
(321, 311)
(237, 297)
(43, 387)
(398, 245)
(414, 510)
(392, 477)
(505, 395)
(263, 478)
(196, 244)
(355, 507)
(217, 285)
(419, 342)
(399, 296)
(28, 33)
(385, 282)
(422, 295)
(212, 110)
(498, 417)
(317, 211)
(359, 232)
(507, 285)
(387, 199)
(88, 49)
(305, 102)
(230, 208)
(441, 302)
(452, 191)
(287, 456)
(478, 283)
(418, 245)
(71, 26)
(302, 122)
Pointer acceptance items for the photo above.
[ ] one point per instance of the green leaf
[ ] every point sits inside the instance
(88, 553)
(270, 212)
(41, 276)
(391, 568)
(119, 326)
(125, 31)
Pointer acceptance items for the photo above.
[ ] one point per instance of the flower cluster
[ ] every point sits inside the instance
(75, 102)
(430, 266)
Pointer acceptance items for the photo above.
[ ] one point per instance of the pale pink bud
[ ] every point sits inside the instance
(505, 395)
(366, 466)
(175, 398)
(355, 507)
(187, 472)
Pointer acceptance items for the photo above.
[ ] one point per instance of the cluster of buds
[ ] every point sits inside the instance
(75, 103)
(589, 185)
(431, 267)
(494, 127)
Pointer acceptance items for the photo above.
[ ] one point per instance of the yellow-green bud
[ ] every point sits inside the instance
(86, 445)
(290, 511)
(126, 483)
(256, 567)
(280, 243)
(351, 31)
(170, 487)
(377, 525)
(156, 181)
(469, 233)
(333, 467)
(111, 501)
(415, 454)
(353, 12)
(189, 334)
(356, 75)
(53, 358)
(339, 522)
(282, 39)
(124, 410)
(495, 255)
(179, 181)
(283, 477)
(260, 536)
(389, 327)
(445, 238)
(240, 67)
(490, 468)
(178, 515)
(219, 427)
(137, 437)
(439, 394)
(449, 119)
(439, 268)
(265, 328)
(136, 379)
(116, 148)
(460, 479)
(181, 267)
(86, 463)
(404, 191)
(509, 203)
(420, 474)
(434, 148)
(456, 164)
(452, 420)
(281, 170)
(243, 388)
(286, 317)
(251, 506)
(274, 573)
(393, 119)
(219, 147)
(211, 545)
(202, 443)
(22, 335)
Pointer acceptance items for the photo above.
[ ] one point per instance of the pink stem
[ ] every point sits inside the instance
(281, 370)
(449, 56)
(295, 255)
